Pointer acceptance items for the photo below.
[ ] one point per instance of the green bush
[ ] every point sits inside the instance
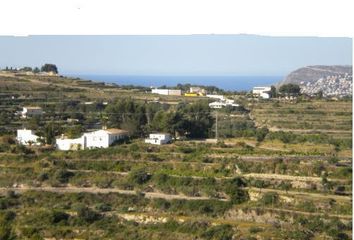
(87, 215)
(139, 176)
(62, 175)
(219, 232)
(254, 229)
(59, 217)
(270, 198)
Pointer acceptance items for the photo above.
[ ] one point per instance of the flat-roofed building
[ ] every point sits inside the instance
(159, 138)
(263, 92)
(31, 111)
(27, 137)
(172, 92)
(97, 139)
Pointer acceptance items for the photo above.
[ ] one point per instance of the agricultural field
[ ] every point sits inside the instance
(330, 117)
(291, 180)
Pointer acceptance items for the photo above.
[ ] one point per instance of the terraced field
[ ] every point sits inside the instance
(252, 184)
(330, 117)
(184, 190)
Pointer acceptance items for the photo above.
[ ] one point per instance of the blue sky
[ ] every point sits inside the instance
(175, 55)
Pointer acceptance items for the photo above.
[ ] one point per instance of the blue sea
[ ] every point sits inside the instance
(231, 83)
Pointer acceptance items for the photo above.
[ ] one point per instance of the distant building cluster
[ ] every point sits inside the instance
(336, 85)
(193, 92)
(103, 138)
(96, 139)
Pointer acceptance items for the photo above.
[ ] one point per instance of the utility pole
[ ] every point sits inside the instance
(216, 125)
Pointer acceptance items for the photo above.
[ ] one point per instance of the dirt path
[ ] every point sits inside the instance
(95, 190)
(251, 144)
(288, 177)
(302, 194)
(276, 129)
(347, 217)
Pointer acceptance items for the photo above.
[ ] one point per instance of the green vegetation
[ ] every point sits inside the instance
(49, 68)
(279, 170)
(193, 120)
(289, 89)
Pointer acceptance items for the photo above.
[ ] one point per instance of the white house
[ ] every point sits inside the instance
(223, 103)
(104, 138)
(97, 139)
(31, 111)
(216, 104)
(64, 143)
(263, 92)
(27, 137)
(159, 138)
(172, 92)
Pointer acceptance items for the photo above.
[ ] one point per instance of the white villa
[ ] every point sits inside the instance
(104, 138)
(159, 138)
(172, 92)
(31, 111)
(223, 103)
(27, 137)
(97, 139)
(263, 92)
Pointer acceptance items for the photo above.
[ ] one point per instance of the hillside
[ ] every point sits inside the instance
(290, 180)
(331, 80)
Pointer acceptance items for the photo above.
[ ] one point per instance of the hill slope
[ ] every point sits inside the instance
(331, 80)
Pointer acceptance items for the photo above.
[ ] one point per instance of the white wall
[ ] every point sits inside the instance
(160, 91)
(27, 137)
(97, 139)
(174, 92)
(102, 138)
(69, 144)
(259, 90)
(158, 138)
(220, 97)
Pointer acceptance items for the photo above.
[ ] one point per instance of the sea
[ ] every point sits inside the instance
(227, 83)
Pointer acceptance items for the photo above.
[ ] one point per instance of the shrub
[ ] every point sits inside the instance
(236, 194)
(43, 176)
(58, 217)
(220, 232)
(261, 134)
(103, 207)
(63, 176)
(255, 229)
(270, 198)
(87, 215)
(139, 176)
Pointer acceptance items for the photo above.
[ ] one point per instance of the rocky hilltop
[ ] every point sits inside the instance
(331, 80)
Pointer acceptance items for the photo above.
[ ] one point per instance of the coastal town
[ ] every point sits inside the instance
(335, 86)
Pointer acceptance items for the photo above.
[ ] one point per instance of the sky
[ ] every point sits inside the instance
(201, 55)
